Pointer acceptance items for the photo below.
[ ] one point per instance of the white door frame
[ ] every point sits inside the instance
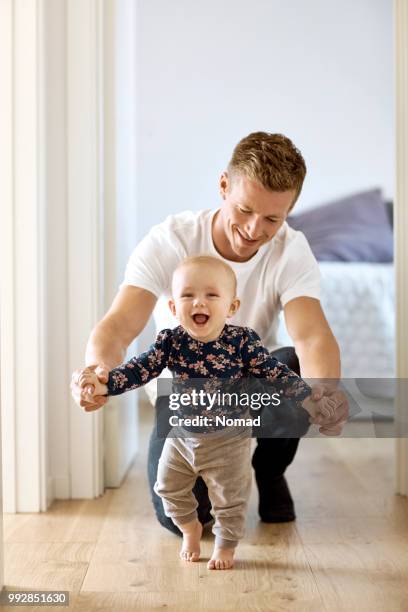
(401, 228)
(6, 253)
(103, 443)
(119, 188)
(22, 243)
(26, 325)
(84, 226)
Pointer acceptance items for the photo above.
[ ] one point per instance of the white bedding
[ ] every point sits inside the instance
(358, 301)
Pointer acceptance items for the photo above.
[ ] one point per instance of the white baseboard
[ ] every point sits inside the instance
(61, 487)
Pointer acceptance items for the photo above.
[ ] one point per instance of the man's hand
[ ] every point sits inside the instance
(89, 381)
(331, 425)
(80, 395)
(325, 407)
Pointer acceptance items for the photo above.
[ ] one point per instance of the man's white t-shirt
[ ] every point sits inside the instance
(282, 269)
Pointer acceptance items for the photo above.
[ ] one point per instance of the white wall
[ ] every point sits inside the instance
(209, 73)
(126, 113)
(120, 179)
(319, 71)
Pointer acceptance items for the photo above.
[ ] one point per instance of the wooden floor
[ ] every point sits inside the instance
(348, 549)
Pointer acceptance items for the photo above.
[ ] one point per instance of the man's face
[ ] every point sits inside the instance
(250, 216)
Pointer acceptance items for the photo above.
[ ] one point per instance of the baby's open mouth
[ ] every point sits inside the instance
(200, 319)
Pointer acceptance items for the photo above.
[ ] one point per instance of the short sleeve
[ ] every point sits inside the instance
(152, 262)
(299, 274)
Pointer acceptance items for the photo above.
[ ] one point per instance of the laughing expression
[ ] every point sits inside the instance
(202, 300)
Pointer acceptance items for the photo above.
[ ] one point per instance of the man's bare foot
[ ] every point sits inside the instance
(190, 551)
(222, 558)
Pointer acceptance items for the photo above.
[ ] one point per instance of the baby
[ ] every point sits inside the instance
(204, 346)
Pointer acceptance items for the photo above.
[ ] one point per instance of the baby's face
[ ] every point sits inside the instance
(202, 299)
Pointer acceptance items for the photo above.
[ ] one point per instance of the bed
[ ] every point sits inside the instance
(352, 239)
(358, 301)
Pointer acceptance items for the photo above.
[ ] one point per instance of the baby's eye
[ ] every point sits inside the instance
(213, 295)
(187, 295)
(244, 210)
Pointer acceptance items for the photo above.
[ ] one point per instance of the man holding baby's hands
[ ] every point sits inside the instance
(275, 269)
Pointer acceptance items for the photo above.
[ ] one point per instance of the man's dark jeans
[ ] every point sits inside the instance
(270, 459)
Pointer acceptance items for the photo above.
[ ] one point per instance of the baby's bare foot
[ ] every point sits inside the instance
(190, 551)
(222, 558)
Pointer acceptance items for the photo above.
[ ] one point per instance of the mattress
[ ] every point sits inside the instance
(358, 301)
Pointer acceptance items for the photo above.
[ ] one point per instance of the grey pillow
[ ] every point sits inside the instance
(355, 228)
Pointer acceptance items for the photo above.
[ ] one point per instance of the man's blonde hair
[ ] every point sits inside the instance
(210, 259)
(270, 159)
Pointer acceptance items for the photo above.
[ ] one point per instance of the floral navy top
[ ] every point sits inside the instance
(235, 355)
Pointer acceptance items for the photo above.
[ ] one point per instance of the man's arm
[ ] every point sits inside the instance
(315, 345)
(123, 322)
(110, 338)
(319, 357)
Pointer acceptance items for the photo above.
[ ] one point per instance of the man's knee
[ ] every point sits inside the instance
(287, 355)
(298, 421)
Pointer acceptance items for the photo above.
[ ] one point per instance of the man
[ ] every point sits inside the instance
(275, 270)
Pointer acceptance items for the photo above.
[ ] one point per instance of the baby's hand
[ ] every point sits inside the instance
(324, 407)
(89, 381)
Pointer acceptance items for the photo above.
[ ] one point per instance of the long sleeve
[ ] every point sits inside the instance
(140, 370)
(259, 363)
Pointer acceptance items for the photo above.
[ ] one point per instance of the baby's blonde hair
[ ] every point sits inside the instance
(210, 259)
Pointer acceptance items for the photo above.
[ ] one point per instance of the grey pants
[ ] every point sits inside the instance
(223, 461)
